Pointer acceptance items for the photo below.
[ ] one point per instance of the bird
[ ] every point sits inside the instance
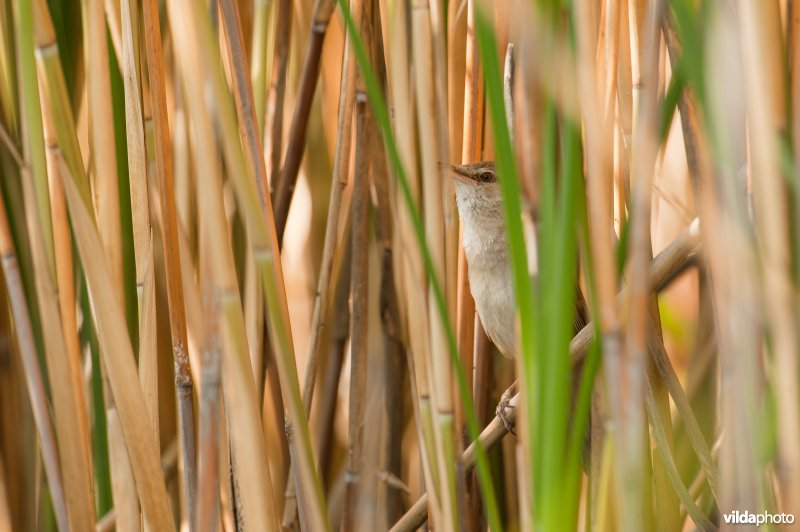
(484, 239)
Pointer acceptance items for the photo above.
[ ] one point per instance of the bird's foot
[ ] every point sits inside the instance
(504, 406)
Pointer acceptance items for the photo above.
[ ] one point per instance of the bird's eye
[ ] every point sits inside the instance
(486, 177)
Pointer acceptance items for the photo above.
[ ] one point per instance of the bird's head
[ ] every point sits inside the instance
(478, 193)
(476, 186)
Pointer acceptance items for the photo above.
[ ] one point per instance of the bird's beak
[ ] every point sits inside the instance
(459, 172)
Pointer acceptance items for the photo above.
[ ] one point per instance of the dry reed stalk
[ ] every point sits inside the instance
(251, 141)
(793, 51)
(140, 209)
(610, 56)
(30, 116)
(449, 218)
(264, 241)
(209, 470)
(731, 260)
(471, 144)
(58, 255)
(258, 58)
(359, 293)
(337, 343)
(118, 355)
(247, 436)
(341, 167)
(245, 106)
(172, 258)
(395, 352)
(662, 446)
(601, 238)
(662, 269)
(762, 52)
(474, 349)
(101, 134)
(273, 122)
(320, 309)
(71, 420)
(32, 371)
(432, 176)
(295, 146)
(65, 143)
(243, 95)
(414, 278)
(631, 480)
(113, 15)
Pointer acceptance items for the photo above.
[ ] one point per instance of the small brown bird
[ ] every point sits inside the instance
(483, 236)
(480, 208)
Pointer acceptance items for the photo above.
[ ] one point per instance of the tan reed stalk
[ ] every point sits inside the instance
(243, 95)
(601, 240)
(30, 116)
(209, 465)
(71, 419)
(793, 50)
(264, 241)
(32, 371)
(172, 258)
(247, 439)
(631, 483)
(732, 263)
(395, 352)
(118, 355)
(762, 51)
(683, 406)
(359, 293)
(663, 447)
(341, 167)
(471, 145)
(474, 349)
(337, 342)
(248, 128)
(273, 122)
(661, 271)
(610, 48)
(636, 33)
(258, 58)
(295, 146)
(113, 13)
(441, 107)
(624, 113)
(140, 209)
(414, 278)
(101, 135)
(432, 177)
(456, 74)
(60, 137)
(57, 212)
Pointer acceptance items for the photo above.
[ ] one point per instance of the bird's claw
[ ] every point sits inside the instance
(505, 402)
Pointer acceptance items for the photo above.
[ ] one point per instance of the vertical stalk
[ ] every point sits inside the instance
(432, 177)
(33, 374)
(172, 259)
(359, 293)
(273, 122)
(295, 147)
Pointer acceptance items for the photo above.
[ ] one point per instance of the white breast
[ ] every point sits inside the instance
(484, 241)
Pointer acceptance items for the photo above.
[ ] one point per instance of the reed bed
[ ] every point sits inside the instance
(203, 202)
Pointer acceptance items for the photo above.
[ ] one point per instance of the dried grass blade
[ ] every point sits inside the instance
(33, 374)
(122, 375)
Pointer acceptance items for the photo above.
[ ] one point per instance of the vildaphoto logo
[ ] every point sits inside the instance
(764, 518)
